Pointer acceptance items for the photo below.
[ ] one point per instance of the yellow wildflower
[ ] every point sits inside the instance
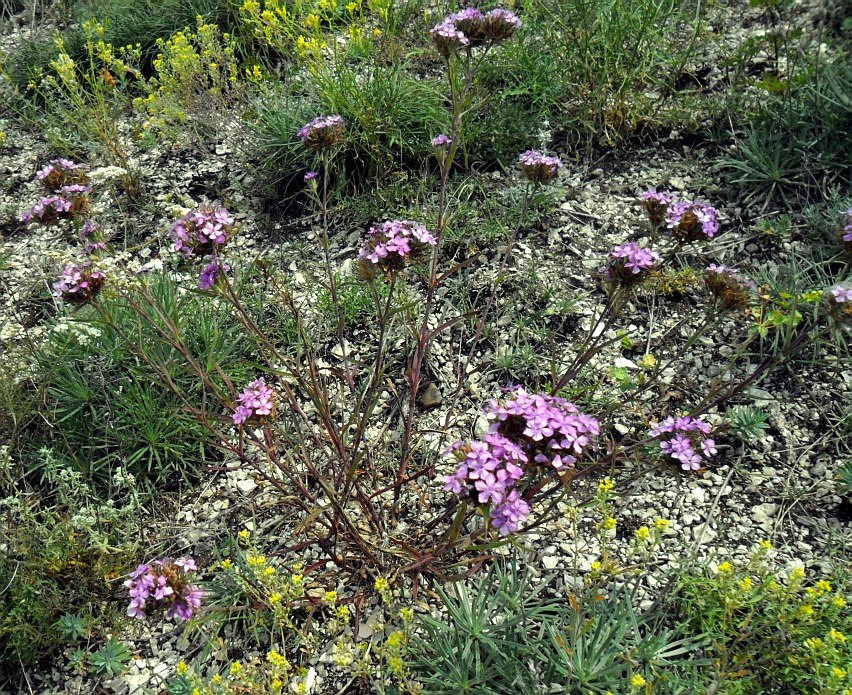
(382, 584)
(182, 668)
(766, 545)
(823, 586)
(746, 584)
(330, 597)
(643, 533)
(648, 361)
(638, 681)
(838, 672)
(797, 573)
(244, 535)
(838, 601)
(236, 668)
(726, 567)
(610, 523)
(606, 485)
(226, 564)
(277, 659)
(662, 524)
(836, 635)
(216, 679)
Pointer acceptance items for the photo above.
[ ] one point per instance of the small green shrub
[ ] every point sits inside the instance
(505, 635)
(768, 634)
(143, 22)
(63, 548)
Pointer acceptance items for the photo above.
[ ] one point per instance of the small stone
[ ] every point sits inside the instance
(431, 397)
(550, 562)
(246, 486)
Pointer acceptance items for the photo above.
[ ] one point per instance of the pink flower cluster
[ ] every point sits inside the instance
(681, 439)
(656, 204)
(164, 583)
(59, 173)
(687, 220)
(256, 400)
(732, 288)
(526, 429)
(392, 243)
(632, 259)
(78, 283)
(442, 140)
(322, 132)
(212, 273)
(539, 167)
(49, 209)
(732, 273)
(470, 27)
(202, 231)
(692, 221)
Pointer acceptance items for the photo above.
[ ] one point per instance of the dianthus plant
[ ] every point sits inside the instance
(164, 584)
(528, 434)
(685, 440)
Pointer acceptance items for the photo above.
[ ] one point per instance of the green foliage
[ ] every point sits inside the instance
(747, 423)
(27, 62)
(73, 627)
(608, 67)
(768, 634)
(110, 659)
(505, 635)
(277, 118)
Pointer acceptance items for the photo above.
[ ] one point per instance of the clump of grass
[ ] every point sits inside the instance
(105, 408)
(789, 153)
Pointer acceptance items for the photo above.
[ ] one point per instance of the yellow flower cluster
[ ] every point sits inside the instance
(194, 68)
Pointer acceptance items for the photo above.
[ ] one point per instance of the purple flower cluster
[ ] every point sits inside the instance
(164, 583)
(391, 244)
(681, 439)
(470, 27)
(442, 140)
(78, 283)
(257, 400)
(656, 204)
(212, 273)
(847, 227)
(692, 221)
(59, 173)
(202, 231)
(539, 167)
(687, 220)
(631, 262)
(323, 132)
(48, 210)
(840, 302)
(841, 294)
(526, 429)
(729, 285)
